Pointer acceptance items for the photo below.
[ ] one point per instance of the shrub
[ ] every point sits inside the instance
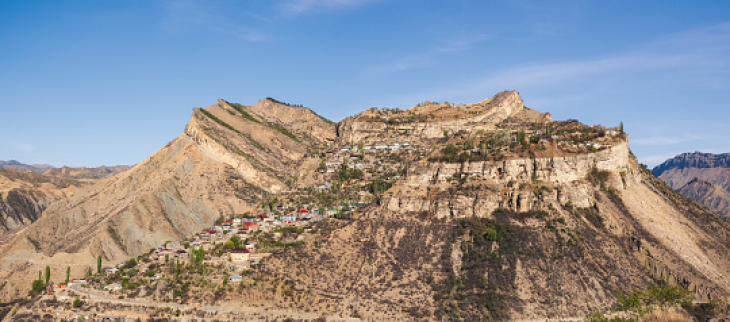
(38, 286)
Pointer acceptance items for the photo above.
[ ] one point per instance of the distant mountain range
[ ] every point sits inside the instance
(703, 177)
(68, 172)
(17, 165)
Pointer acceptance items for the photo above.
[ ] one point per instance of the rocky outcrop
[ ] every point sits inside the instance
(484, 116)
(694, 160)
(515, 184)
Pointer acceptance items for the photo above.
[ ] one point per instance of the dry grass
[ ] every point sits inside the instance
(672, 314)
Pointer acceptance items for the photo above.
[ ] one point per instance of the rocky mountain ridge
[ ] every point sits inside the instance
(64, 171)
(703, 177)
(227, 159)
(503, 214)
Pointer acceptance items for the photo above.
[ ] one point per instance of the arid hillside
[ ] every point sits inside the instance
(532, 238)
(477, 212)
(87, 174)
(703, 177)
(78, 173)
(228, 159)
(24, 196)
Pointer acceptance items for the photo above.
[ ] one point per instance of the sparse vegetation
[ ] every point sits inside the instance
(655, 303)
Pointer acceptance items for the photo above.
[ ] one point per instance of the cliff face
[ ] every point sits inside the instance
(225, 162)
(498, 183)
(568, 233)
(703, 177)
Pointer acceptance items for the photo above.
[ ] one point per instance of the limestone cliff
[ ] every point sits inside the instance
(567, 235)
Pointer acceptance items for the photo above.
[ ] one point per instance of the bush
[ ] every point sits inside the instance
(78, 303)
(38, 286)
(598, 177)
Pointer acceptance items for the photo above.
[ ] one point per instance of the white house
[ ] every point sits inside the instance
(240, 255)
(115, 287)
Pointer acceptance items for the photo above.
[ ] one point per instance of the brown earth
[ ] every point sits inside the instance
(703, 177)
(25, 195)
(526, 238)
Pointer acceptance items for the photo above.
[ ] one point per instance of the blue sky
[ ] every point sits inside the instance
(89, 83)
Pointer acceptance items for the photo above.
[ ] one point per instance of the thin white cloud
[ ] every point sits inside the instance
(700, 57)
(402, 64)
(666, 140)
(462, 43)
(298, 7)
(185, 15)
(429, 57)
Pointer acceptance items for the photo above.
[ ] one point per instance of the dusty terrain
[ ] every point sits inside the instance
(224, 163)
(506, 215)
(703, 177)
(24, 196)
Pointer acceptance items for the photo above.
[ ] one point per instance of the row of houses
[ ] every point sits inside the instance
(376, 147)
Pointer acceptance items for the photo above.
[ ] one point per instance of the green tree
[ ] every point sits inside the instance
(37, 286)
(177, 268)
(200, 255)
(78, 303)
(48, 274)
(131, 263)
(89, 273)
(236, 241)
(98, 265)
(68, 274)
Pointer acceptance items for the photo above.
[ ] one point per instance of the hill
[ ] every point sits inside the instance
(486, 211)
(703, 177)
(229, 158)
(25, 195)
